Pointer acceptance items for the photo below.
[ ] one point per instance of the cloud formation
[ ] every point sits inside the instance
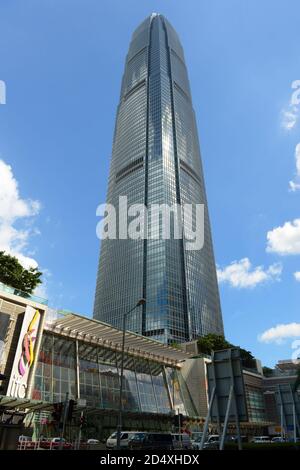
(279, 333)
(14, 209)
(241, 274)
(290, 115)
(295, 185)
(285, 240)
(297, 276)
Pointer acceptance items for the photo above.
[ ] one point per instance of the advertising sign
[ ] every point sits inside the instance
(25, 354)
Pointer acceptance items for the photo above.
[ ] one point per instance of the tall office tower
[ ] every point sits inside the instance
(156, 159)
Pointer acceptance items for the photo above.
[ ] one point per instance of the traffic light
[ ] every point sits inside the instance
(72, 404)
(56, 414)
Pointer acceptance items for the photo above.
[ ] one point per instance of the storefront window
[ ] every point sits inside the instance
(144, 382)
(55, 373)
(145, 387)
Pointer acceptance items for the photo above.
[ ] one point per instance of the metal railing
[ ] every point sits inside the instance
(24, 295)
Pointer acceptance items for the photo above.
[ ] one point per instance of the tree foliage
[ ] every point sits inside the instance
(13, 274)
(267, 371)
(213, 342)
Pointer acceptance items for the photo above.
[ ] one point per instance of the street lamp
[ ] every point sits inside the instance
(119, 428)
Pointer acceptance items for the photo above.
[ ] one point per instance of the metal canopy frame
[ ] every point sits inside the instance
(95, 333)
(23, 404)
(231, 399)
(281, 391)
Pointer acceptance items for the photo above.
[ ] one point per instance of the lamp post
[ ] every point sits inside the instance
(119, 427)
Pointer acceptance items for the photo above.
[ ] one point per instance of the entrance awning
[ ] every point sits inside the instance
(100, 333)
(23, 404)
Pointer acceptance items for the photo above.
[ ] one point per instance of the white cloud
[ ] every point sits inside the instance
(295, 99)
(295, 185)
(241, 274)
(289, 118)
(280, 332)
(14, 209)
(285, 240)
(297, 158)
(297, 276)
(291, 114)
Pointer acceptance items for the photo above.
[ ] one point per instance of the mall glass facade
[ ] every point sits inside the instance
(255, 399)
(92, 373)
(156, 159)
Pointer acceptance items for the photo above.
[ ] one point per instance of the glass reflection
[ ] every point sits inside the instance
(148, 387)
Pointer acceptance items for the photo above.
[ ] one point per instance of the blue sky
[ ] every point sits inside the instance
(62, 62)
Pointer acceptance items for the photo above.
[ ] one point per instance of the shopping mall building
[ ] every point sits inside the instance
(49, 357)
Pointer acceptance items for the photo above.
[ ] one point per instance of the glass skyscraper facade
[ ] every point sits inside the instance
(156, 159)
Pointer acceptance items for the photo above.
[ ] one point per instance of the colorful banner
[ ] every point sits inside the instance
(25, 353)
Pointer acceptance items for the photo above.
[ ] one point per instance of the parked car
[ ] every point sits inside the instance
(23, 438)
(151, 441)
(261, 440)
(196, 439)
(212, 442)
(93, 441)
(233, 438)
(278, 439)
(136, 440)
(181, 441)
(111, 442)
(58, 442)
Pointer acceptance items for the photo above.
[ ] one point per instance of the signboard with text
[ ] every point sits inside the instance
(25, 353)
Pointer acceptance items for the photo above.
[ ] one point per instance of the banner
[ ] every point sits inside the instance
(25, 353)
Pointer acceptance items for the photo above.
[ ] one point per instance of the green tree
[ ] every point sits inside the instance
(213, 342)
(267, 371)
(13, 274)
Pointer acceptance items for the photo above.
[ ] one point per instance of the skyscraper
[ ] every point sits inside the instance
(156, 159)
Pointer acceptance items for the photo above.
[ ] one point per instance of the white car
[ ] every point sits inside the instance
(278, 439)
(93, 441)
(261, 440)
(196, 439)
(25, 438)
(57, 442)
(111, 442)
(212, 442)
